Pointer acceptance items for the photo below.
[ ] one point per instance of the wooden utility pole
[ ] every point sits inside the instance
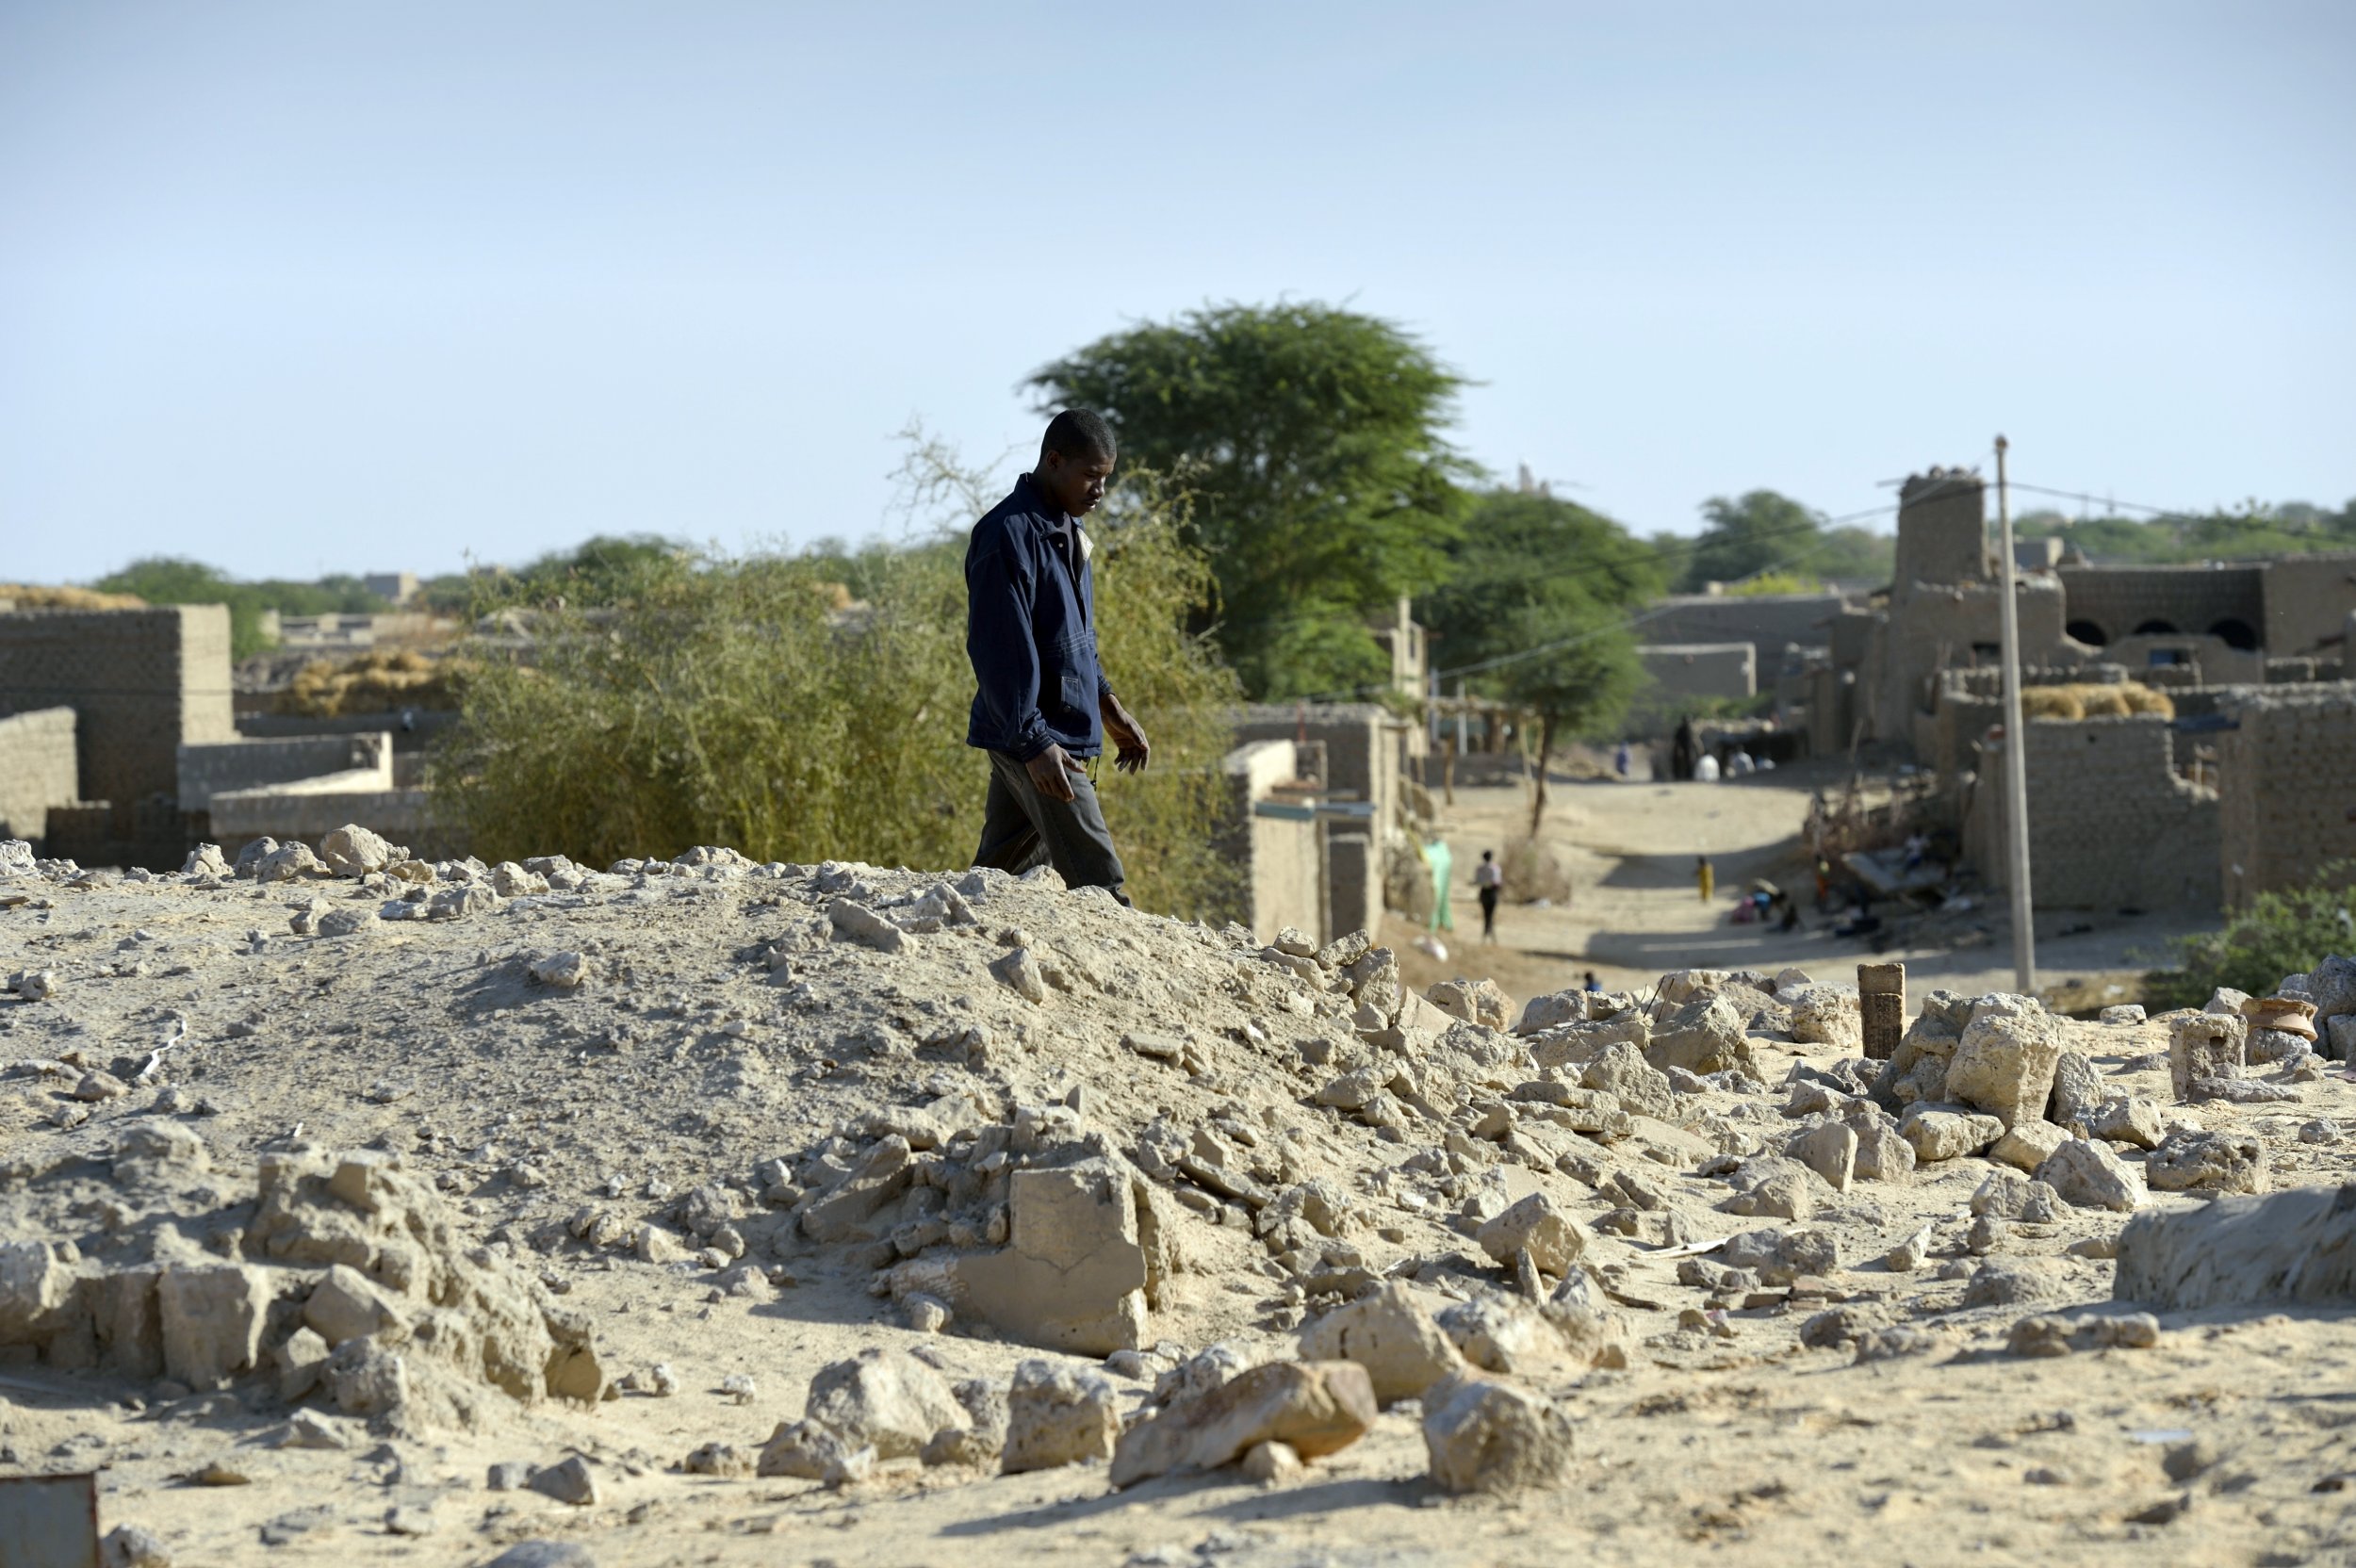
(2015, 753)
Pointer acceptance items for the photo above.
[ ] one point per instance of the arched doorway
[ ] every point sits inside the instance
(2235, 633)
(2087, 633)
(2156, 629)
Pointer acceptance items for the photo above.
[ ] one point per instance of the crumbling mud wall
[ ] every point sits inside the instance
(2286, 776)
(2111, 823)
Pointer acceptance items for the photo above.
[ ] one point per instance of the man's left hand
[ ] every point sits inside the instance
(1131, 750)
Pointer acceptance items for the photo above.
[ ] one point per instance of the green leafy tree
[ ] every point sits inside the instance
(1537, 607)
(1312, 441)
(1760, 531)
(173, 580)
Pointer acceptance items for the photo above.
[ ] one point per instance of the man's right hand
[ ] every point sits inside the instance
(1052, 770)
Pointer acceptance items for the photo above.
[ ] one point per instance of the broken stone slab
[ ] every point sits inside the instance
(1882, 1154)
(1779, 1257)
(1830, 1150)
(1938, 1131)
(2204, 1050)
(857, 923)
(842, 1212)
(1498, 1333)
(2121, 1014)
(1824, 1014)
(1075, 1270)
(1704, 1035)
(1057, 1415)
(1388, 1332)
(884, 1399)
(211, 1318)
(1577, 1043)
(2127, 1118)
(1536, 1225)
(2006, 1059)
(2294, 1247)
(1474, 1001)
(2190, 1161)
(1485, 1436)
(2028, 1144)
(1019, 972)
(2088, 1173)
(1315, 1408)
(569, 1481)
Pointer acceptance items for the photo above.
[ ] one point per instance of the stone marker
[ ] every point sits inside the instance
(1881, 995)
(2204, 1050)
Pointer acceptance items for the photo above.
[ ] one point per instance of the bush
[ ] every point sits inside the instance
(2280, 934)
(741, 701)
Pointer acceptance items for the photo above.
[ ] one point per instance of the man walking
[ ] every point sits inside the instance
(1042, 707)
(1489, 879)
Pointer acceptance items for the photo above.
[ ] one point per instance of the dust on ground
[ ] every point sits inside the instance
(578, 1180)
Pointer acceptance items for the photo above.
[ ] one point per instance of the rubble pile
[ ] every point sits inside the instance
(988, 1179)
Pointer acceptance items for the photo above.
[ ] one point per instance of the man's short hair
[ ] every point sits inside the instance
(1079, 432)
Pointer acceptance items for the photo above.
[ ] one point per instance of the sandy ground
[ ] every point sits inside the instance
(685, 1061)
(1635, 911)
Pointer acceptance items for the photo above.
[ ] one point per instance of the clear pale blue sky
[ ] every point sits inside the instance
(297, 287)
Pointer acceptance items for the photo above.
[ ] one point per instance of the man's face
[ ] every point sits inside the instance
(1075, 484)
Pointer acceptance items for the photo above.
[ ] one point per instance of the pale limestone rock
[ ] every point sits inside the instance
(1482, 1435)
(1388, 1333)
(2294, 1247)
(885, 1399)
(2028, 1144)
(2085, 1172)
(1553, 1239)
(2005, 1060)
(1315, 1408)
(1057, 1415)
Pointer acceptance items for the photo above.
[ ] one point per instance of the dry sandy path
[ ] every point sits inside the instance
(1636, 913)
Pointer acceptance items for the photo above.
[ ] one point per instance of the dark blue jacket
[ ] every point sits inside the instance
(1030, 629)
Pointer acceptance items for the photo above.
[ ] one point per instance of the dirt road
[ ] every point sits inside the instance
(1635, 911)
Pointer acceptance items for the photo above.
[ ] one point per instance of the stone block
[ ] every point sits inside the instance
(1315, 1408)
(2085, 1172)
(1882, 1008)
(2204, 1049)
(2296, 1247)
(1390, 1335)
(1073, 1273)
(1484, 1436)
(2189, 1161)
(1057, 1415)
(211, 1318)
(2005, 1060)
(1946, 1132)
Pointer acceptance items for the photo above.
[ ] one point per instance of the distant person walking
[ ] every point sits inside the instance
(1443, 862)
(1705, 876)
(1042, 707)
(1622, 760)
(1683, 749)
(1489, 880)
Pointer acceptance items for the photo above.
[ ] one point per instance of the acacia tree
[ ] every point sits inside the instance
(1312, 441)
(1538, 605)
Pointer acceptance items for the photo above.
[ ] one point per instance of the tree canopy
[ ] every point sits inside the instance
(1542, 591)
(176, 579)
(1312, 439)
(2252, 531)
(1766, 532)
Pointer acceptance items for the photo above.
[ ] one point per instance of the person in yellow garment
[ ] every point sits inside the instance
(1705, 876)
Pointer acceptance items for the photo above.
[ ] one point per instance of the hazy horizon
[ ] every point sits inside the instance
(295, 291)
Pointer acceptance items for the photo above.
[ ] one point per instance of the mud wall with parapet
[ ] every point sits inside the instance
(141, 684)
(2111, 825)
(2112, 603)
(1960, 626)
(1943, 531)
(37, 769)
(217, 767)
(1274, 847)
(1361, 759)
(1769, 622)
(2308, 599)
(2286, 776)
